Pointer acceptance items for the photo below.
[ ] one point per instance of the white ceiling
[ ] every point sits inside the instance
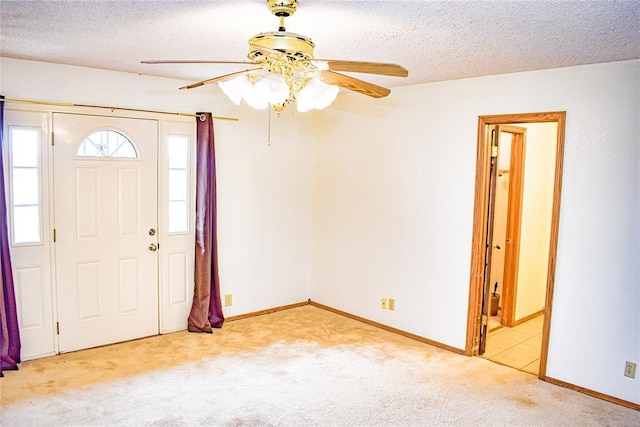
(434, 40)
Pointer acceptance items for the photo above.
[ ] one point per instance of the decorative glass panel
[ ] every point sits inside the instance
(107, 143)
(178, 183)
(24, 145)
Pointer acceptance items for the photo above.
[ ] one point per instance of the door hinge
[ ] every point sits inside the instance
(494, 143)
(58, 328)
(53, 142)
(54, 235)
(484, 320)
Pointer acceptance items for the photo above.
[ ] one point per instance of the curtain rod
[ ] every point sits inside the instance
(69, 104)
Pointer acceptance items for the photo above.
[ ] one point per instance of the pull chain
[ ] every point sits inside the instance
(269, 129)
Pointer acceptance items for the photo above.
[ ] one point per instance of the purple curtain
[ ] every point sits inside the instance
(9, 332)
(206, 310)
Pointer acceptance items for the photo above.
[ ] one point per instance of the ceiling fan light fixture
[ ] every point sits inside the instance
(257, 92)
(236, 88)
(254, 99)
(287, 71)
(273, 88)
(316, 95)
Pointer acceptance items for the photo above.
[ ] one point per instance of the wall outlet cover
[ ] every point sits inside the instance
(630, 369)
(383, 304)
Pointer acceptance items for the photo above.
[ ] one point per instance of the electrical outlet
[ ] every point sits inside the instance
(228, 300)
(392, 304)
(383, 304)
(630, 369)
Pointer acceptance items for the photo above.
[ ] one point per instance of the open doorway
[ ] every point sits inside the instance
(517, 202)
(504, 221)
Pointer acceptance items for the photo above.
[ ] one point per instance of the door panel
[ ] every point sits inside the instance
(177, 225)
(107, 276)
(502, 135)
(26, 170)
(506, 229)
(499, 230)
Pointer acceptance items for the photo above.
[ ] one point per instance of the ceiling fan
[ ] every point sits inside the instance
(285, 71)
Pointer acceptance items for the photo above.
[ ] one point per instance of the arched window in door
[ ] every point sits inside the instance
(107, 143)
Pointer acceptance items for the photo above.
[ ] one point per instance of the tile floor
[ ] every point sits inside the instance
(517, 347)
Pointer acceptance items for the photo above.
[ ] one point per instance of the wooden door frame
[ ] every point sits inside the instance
(514, 221)
(478, 245)
(490, 205)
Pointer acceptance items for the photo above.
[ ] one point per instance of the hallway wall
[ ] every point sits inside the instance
(537, 206)
(393, 210)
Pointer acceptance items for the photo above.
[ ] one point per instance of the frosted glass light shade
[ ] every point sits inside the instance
(255, 98)
(236, 88)
(316, 95)
(273, 88)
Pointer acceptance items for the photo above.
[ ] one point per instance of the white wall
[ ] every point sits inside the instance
(264, 211)
(390, 207)
(393, 208)
(537, 205)
(380, 192)
(263, 192)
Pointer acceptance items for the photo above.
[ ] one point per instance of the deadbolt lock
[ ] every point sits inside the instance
(153, 247)
(152, 232)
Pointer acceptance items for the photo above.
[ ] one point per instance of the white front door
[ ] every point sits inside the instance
(105, 172)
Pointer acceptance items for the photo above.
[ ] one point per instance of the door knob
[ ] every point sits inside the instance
(153, 247)
(497, 246)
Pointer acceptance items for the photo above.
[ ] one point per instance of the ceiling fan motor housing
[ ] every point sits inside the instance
(282, 8)
(296, 45)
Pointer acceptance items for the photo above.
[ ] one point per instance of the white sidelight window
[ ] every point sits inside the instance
(25, 196)
(178, 151)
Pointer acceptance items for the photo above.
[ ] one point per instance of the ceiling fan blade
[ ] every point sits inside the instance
(195, 61)
(354, 84)
(217, 79)
(380, 68)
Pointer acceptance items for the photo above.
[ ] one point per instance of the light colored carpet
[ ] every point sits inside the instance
(299, 367)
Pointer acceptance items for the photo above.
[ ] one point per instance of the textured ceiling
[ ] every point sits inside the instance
(434, 40)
